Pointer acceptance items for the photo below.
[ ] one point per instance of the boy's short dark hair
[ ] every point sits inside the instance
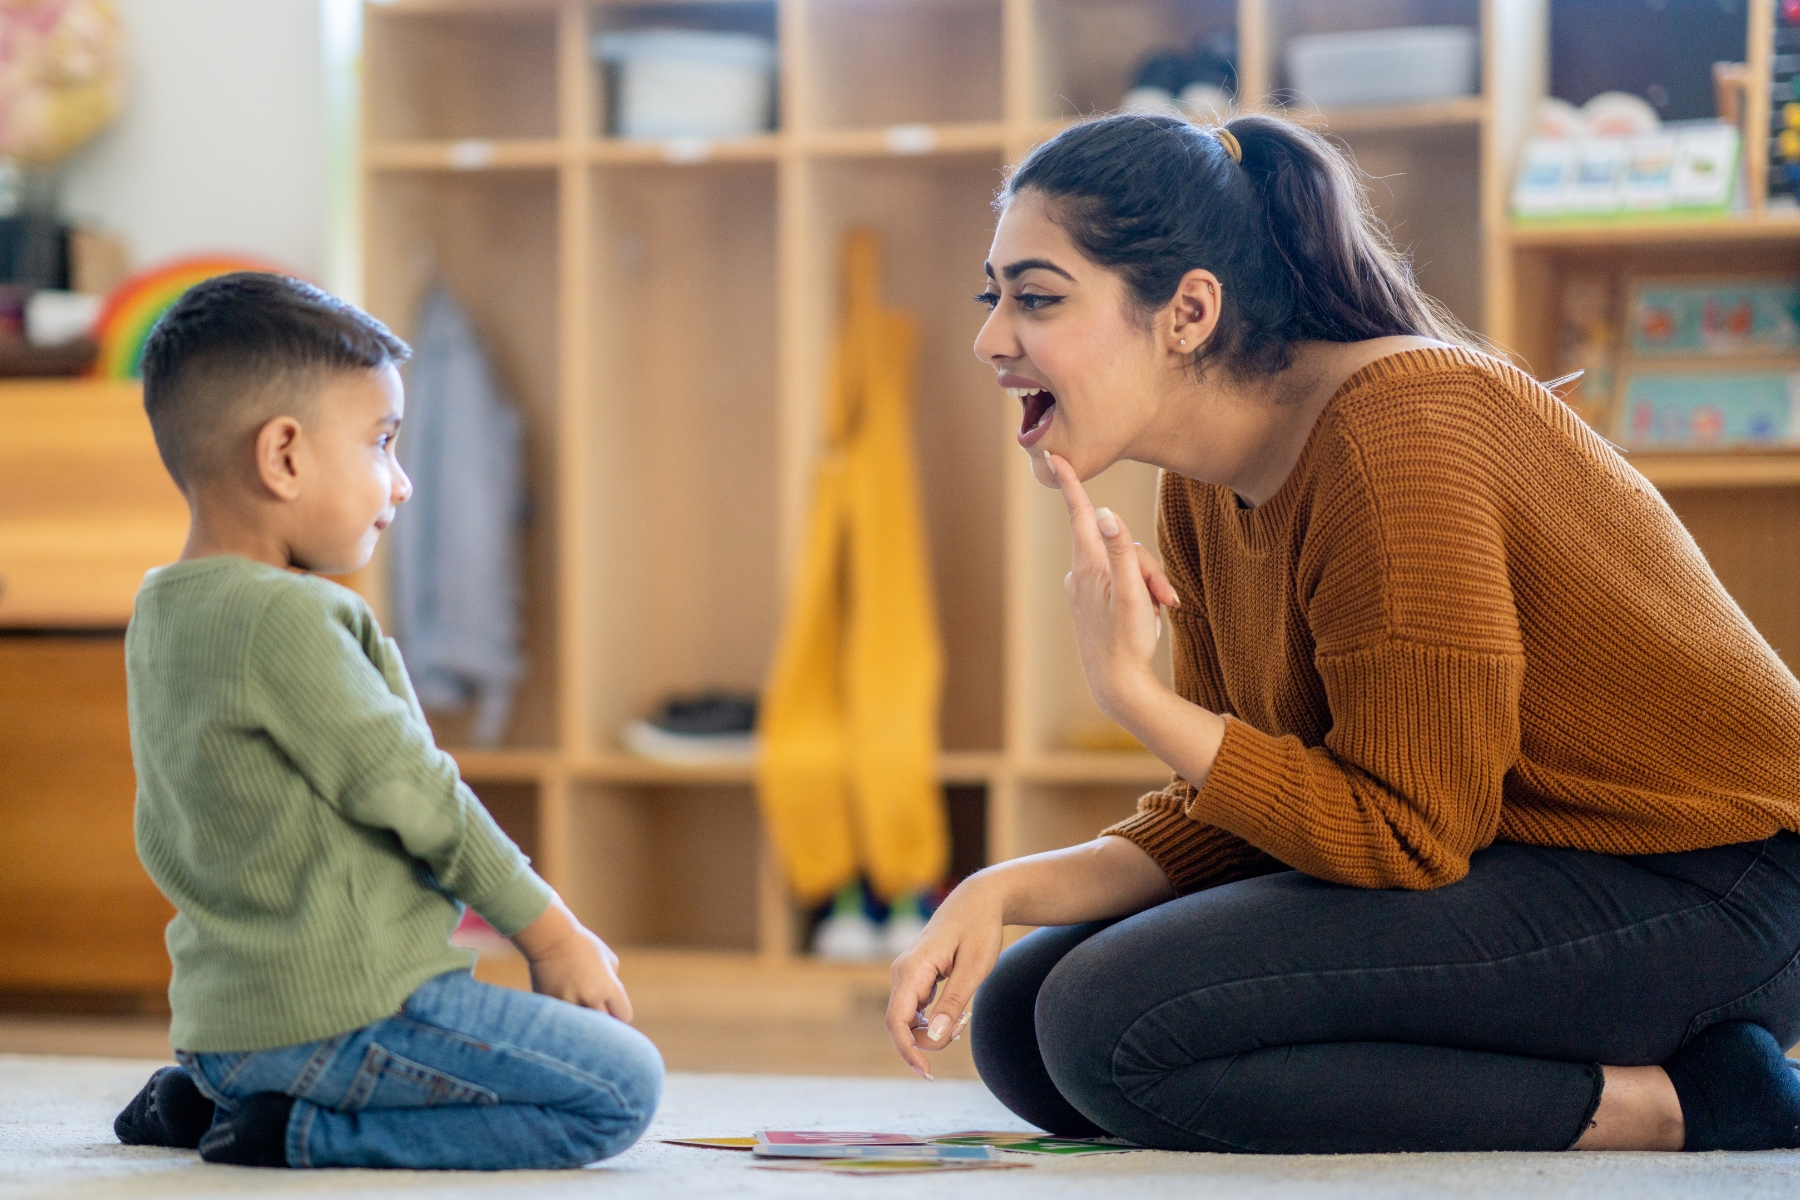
(239, 350)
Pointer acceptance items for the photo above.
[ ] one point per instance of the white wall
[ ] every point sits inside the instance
(224, 141)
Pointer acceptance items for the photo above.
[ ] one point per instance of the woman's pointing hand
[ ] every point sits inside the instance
(1116, 591)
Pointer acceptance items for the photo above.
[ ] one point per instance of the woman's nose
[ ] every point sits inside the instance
(996, 341)
(403, 488)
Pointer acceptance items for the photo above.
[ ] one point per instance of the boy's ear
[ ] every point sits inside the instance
(276, 445)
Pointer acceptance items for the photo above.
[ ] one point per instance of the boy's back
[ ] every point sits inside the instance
(288, 792)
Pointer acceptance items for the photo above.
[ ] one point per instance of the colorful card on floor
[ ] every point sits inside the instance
(893, 1152)
(882, 1166)
(714, 1143)
(827, 1137)
(1034, 1143)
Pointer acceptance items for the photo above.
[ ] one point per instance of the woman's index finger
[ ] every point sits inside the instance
(1084, 526)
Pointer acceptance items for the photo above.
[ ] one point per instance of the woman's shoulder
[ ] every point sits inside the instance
(1459, 414)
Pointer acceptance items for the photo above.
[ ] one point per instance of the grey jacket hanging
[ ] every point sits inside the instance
(454, 546)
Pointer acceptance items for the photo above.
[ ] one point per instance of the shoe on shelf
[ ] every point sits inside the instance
(900, 932)
(906, 921)
(709, 728)
(847, 937)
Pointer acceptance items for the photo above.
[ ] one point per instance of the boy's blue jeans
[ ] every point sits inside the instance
(465, 1076)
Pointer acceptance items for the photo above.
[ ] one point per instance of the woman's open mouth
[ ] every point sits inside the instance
(1040, 410)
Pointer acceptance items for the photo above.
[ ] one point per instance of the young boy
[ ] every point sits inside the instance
(292, 805)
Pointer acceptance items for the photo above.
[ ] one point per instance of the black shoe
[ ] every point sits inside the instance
(1737, 1090)
(255, 1135)
(168, 1111)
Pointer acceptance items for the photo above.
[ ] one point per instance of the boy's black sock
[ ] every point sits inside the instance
(256, 1134)
(167, 1111)
(1737, 1090)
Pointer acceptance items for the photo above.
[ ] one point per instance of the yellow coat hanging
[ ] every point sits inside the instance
(847, 777)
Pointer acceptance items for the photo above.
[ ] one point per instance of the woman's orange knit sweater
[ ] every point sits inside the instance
(1462, 619)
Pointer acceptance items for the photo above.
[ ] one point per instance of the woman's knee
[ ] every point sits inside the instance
(1004, 1032)
(1099, 1035)
(1003, 1024)
(1078, 1025)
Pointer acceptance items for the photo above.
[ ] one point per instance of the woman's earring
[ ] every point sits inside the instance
(1184, 341)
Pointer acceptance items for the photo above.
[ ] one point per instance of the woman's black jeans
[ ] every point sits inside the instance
(1287, 1015)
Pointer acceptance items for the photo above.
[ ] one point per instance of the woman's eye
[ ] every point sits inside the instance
(987, 300)
(1033, 302)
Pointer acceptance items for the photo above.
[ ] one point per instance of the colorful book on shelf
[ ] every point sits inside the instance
(1719, 317)
(1690, 167)
(1709, 410)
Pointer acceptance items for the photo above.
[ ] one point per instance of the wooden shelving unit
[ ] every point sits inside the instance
(663, 312)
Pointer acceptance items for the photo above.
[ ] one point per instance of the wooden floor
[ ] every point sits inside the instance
(724, 1012)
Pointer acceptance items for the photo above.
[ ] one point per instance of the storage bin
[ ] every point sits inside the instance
(688, 83)
(1383, 66)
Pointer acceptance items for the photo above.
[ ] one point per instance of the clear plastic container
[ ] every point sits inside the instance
(1407, 65)
(671, 83)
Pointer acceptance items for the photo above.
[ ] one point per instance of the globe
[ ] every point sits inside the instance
(62, 76)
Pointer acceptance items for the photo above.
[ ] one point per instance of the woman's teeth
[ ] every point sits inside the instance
(1021, 393)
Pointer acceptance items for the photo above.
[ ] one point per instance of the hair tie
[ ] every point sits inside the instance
(1228, 140)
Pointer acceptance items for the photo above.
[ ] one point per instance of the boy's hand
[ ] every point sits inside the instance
(568, 962)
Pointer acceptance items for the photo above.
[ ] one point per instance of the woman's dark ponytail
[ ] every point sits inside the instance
(1287, 230)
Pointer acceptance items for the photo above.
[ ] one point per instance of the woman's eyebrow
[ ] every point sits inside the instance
(1013, 270)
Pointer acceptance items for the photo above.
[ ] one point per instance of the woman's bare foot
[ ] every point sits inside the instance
(1638, 1111)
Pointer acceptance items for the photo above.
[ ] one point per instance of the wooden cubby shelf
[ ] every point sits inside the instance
(663, 310)
(1719, 470)
(1740, 227)
(1444, 114)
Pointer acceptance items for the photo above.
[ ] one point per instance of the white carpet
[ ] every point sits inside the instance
(56, 1141)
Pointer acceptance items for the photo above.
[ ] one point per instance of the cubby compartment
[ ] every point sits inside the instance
(1291, 18)
(1741, 507)
(1055, 710)
(514, 806)
(1050, 816)
(901, 62)
(459, 74)
(1747, 534)
(1425, 188)
(665, 865)
(935, 221)
(755, 17)
(490, 238)
(1089, 54)
(966, 806)
(1545, 272)
(683, 554)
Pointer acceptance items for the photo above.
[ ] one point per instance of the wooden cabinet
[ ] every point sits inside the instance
(85, 509)
(80, 921)
(85, 505)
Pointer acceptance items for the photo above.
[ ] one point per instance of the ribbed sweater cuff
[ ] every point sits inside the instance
(1193, 854)
(1172, 842)
(1248, 779)
(514, 903)
(1257, 788)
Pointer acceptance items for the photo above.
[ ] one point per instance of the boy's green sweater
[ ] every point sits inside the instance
(292, 805)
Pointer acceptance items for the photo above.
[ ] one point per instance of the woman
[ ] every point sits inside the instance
(1479, 832)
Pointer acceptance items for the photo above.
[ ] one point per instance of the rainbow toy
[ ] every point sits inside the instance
(133, 307)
